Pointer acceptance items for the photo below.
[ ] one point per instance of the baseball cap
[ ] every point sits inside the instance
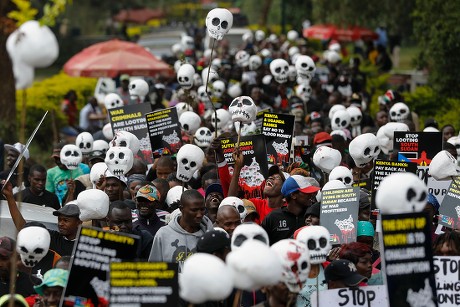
(345, 271)
(214, 187)
(313, 210)
(96, 154)
(6, 246)
(274, 169)
(53, 278)
(19, 148)
(364, 198)
(69, 209)
(124, 77)
(122, 178)
(365, 228)
(212, 241)
(322, 139)
(250, 207)
(432, 200)
(297, 183)
(149, 192)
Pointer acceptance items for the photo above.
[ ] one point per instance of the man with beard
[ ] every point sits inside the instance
(147, 201)
(213, 197)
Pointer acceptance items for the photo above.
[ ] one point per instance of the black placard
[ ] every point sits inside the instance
(94, 250)
(260, 118)
(450, 207)
(417, 147)
(383, 168)
(339, 214)
(278, 130)
(164, 131)
(143, 284)
(131, 118)
(255, 168)
(408, 259)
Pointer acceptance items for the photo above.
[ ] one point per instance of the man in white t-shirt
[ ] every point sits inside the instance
(91, 116)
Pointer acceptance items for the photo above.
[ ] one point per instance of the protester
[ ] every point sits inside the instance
(227, 218)
(69, 108)
(12, 154)
(361, 256)
(147, 198)
(52, 287)
(342, 273)
(447, 244)
(123, 90)
(91, 116)
(215, 242)
(213, 197)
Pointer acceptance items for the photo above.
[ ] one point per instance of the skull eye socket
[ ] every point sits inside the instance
(193, 164)
(185, 126)
(247, 102)
(39, 250)
(111, 156)
(68, 153)
(23, 249)
(294, 268)
(310, 68)
(261, 239)
(208, 132)
(75, 154)
(344, 123)
(358, 117)
(304, 265)
(322, 242)
(224, 24)
(411, 194)
(81, 145)
(184, 161)
(123, 144)
(88, 145)
(311, 244)
(202, 132)
(133, 86)
(240, 209)
(121, 155)
(367, 151)
(422, 196)
(304, 65)
(403, 111)
(234, 103)
(337, 121)
(215, 21)
(376, 149)
(347, 180)
(393, 113)
(239, 240)
(185, 79)
(278, 70)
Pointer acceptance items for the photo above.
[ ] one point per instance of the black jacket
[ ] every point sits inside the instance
(281, 224)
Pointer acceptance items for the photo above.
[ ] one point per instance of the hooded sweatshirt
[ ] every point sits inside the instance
(172, 243)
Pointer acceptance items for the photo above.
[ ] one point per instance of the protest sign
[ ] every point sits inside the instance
(143, 284)
(278, 130)
(260, 119)
(131, 118)
(383, 168)
(339, 214)
(363, 183)
(255, 168)
(450, 207)
(370, 296)
(94, 250)
(164, 131)
(435, 187)
(408, 259)
(417, 147)
(447, 274)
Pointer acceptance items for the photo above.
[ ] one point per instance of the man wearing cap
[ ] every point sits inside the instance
(147, 201)
(62, 241)
(342, 273)
(281, 223)
(52, 287)
(12, 154)
(213, 197)
(215, 242)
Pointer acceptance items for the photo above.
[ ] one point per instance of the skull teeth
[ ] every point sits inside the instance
(241, 112)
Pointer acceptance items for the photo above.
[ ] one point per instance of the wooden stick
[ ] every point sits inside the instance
(237, 145)
(236, 301)
(206, 85)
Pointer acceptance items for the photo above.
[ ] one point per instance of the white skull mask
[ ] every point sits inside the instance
(218, 22)
(248, 37)
(455, 140)
(242, 58)
(177, 49)
(303, 91)
(355, 116)
(203, 137)
(126, 139)
(247, 129)
(234, 90)
(32, 245)
(279, 69)
(326, 158)
(292, 35)
(292, 73)
(223, 119)
(182, 107)
(138, 88)
(443, 166)
(317, 240)
(213, 75)
(248, 231)
(202, 95)
(341, 119)
(119, 160)
(177, 65)
(190, 122)
(265, 53)
(197, 81)
(364, 148)
(385, 135)
(185, 76)
(189, 159)
(218, 88)
(401, 193)
(335, 108)
(101, 146)
(295, 260)
(187, 42)
(97, 171)
(237, 203)
(243, 109)
(260, 35)
(85, 141)
(112, 101)
(93, 204)
(107, 131)
(399, 112)
(255, 62)
(71, 156)
(343, 174)
(292, 52)
(305, 66)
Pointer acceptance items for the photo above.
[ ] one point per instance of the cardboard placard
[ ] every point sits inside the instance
(255, 168)
(418, 147)
(260, 118)
(383, 168)
(94, 250)
(408, 259)
(450, 207)
(339, 214)
(435, 187)
(278, 130)
(164, 131)
(143, 284)
(370, 296)
(447, 273)
(131, 118)
(363, 183)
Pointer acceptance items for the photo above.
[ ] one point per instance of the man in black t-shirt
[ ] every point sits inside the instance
(36, 193)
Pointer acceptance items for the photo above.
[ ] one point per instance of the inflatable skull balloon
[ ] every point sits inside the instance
(455, 140)
(203, 137)
(305, 67)
(71, 156)
(234, 90)
(385, 135)
(33, 244)
(112, 101)
(247, 129)
(189, 159)
(399, 112)
(295, 260)
(335, 108)
(355, 115)
(248, 232)
(401, 193)
(317, 240)
(243, 109)
(326, 158)
(119, 160)
(190, 122)
(93, 204)
(341, 119)
(85, 141)
(237, 203)
(364, 148)
(218, 22)
(343, 174)
(185, 76)
(279, 69)
(126, 139)
(255, 62)
(138, 88)
(443, 166)
(218, 88)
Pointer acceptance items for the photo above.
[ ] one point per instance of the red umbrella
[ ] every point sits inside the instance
(140, 16)
(328, 32)
(322, 32)
(115, 57)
